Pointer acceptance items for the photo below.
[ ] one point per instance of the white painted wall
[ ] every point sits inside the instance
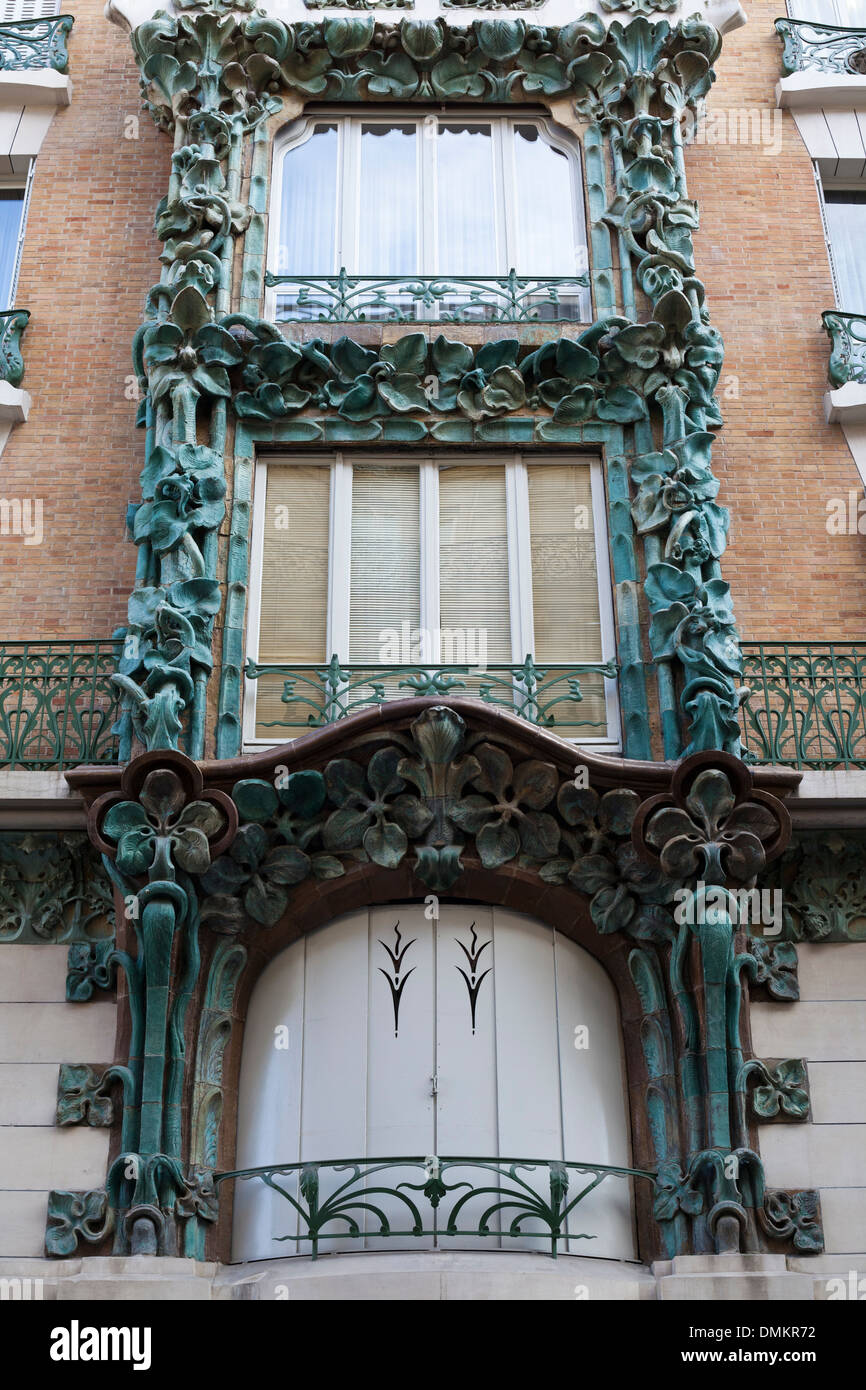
(38, 1031)
(827, 1028)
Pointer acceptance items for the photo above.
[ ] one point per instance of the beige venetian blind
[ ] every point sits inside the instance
(564, 579)
(294, 607)
(11, 10)
(473, 560)
(386, 559)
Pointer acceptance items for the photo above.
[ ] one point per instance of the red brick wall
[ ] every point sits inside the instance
(762, 257)
(90, 256)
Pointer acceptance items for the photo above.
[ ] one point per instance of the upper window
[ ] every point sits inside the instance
(11, 221)
(845, 210)
(430, 563)
(428, 195)
(12, 10)
(848, 14)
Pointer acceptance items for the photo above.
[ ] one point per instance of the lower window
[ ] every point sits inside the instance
(481, 576)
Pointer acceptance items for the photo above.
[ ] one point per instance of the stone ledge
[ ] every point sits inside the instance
(39, 87)
(818, 91)
(14, 403)
(846, 405)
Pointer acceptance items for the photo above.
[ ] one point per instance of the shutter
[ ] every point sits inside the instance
(386, 559)
(13, 10)
(294, 597)
(473, 558)
(565, 605)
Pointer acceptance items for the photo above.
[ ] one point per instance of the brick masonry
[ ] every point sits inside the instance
(91, 255)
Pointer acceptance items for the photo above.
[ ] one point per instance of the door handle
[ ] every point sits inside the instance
(434, 1084)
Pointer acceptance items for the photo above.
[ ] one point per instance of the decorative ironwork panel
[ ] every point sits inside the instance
(547, 695)
(511, 298)
(58, 705)
(805, 706)
(848, 351)
(433, 1206)
(35, 43)
(822, 48)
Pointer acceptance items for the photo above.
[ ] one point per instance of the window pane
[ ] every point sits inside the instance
(846, 219)
(386, 560)
(473, 560)
(545, 210)
(294, 603)
(11, 205)
(467, 227)
(565, 589)
(388, 243)
(308, 217)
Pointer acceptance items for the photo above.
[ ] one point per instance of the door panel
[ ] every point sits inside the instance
(466, 1110)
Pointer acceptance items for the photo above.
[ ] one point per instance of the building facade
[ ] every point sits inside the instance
(432, 800)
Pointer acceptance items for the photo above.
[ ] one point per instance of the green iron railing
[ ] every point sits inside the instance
(432, 1206)
(58, 704)
(806, 705)
(12, 324)
(827, 48)
(35, 43)
(511, 298)
(848, 346)
(547, 695)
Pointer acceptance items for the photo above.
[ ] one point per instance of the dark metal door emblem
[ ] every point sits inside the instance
(396, 985)
(473, 980)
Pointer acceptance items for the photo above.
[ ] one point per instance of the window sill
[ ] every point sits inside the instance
(14, 404)
(817, 91)
(846, 405)
(37, 87)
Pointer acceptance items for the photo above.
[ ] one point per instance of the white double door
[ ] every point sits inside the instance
(391, 1033)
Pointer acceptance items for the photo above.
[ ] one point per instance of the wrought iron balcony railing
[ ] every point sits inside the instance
(511, 298)
(848, 346)
(12, 324)
(807, 704)
(822, 48)
(58, 704)
(547, 695)
(431, 1205)
(35, 43)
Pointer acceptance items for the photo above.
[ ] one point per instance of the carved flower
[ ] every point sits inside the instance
(712, 835)
(374, 812)
(776, 967)
(626, 892)
(675, 1193)
(494, 386)
(257, 874)
(369, 384)
(784, 1089)
(189, 349)
(496, 816)
(160, 819)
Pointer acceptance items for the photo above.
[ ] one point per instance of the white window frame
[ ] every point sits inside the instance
(519, 561)
(19, 185)
(350, 193)
(834, 186)
(810, 14)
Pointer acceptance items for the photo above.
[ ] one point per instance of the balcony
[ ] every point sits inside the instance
(806, 704)
(296, 698)
(28, 44)
(822, 48)
(57, 704)
(14, 403)
(509, 1200)
(845, 402)
(511, 298)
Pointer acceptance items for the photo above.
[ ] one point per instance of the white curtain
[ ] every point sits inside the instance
(388, 241)
(308, 221)
(466, 212)
(846, 219)
(546, 234)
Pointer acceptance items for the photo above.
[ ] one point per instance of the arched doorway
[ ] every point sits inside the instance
(391, 1032)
